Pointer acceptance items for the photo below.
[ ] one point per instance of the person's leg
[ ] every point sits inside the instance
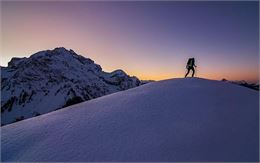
(193, 71)
(187, 72)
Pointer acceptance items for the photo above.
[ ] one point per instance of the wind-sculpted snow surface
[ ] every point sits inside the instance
(52, 79)
(173, 120)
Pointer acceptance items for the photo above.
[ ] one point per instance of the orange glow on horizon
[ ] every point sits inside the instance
(218, 76)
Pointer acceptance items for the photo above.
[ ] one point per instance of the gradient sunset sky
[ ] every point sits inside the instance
(151, 40)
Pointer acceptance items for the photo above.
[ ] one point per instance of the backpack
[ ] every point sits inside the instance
(190, 62)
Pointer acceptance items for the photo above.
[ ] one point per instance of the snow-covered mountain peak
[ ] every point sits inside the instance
(64, 56)
(58, 74)
(118, 73)
(61, 49)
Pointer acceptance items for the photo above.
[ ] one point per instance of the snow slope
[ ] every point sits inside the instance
(188, 119)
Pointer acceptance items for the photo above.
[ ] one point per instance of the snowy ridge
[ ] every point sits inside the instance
(52, 79)
(173, 120)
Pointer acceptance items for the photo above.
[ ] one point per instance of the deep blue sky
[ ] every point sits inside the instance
(151, 40)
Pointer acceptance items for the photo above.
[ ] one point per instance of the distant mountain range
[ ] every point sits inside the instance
(53, 79)
(244, 84)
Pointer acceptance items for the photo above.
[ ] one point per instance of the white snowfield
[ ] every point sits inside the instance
(188, 119)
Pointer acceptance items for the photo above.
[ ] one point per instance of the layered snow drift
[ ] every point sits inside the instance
(173, 120)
